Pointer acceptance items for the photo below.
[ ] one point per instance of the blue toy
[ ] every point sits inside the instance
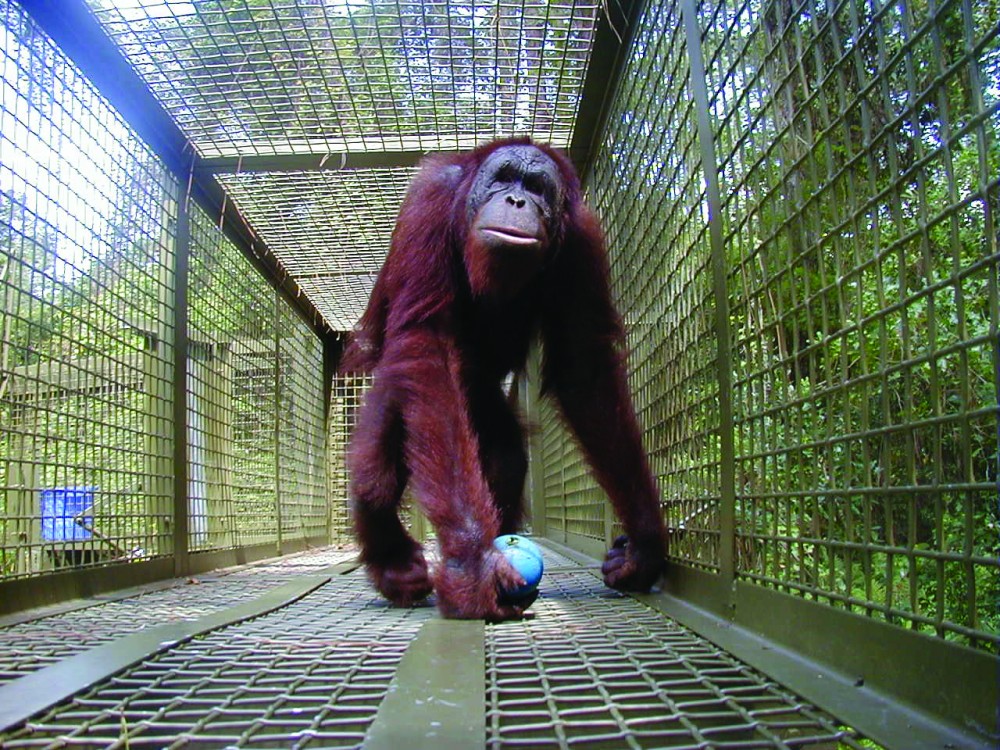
(526, 557)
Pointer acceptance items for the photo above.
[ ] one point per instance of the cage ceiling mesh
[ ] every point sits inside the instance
(329, 228)
(315, 78)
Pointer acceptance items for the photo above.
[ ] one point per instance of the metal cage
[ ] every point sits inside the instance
(800, 200)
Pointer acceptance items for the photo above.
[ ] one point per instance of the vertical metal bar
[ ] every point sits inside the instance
(158, 439)
(566, 453)
(276, 386)
(727, 481)
(530, 392)
(182, 256)
(332, 349)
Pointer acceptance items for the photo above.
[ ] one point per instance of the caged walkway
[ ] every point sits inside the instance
(302, 652)
(800, 199)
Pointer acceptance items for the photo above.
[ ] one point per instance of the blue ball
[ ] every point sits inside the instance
(526, 557)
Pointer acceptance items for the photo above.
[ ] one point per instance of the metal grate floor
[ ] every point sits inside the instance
(593, 669)
(30, 646)
(598, 669)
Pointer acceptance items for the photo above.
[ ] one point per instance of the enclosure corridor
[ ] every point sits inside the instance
(799, 203)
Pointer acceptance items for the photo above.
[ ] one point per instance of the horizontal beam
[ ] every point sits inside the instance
(85, 375)
(382, 152)
(311, 162)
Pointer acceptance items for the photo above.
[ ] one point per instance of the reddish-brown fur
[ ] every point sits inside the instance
(440, 334)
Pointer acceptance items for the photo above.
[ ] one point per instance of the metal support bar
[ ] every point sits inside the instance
(333, 348)
(202, 561)
(179, 308)
(21, 594)
(438, 698)
(278, 468)
(529, 393)
(709, 162)
(311, 162)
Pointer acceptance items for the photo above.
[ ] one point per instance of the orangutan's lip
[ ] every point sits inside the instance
(512, 236)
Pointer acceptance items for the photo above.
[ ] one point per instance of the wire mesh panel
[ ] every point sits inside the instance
(860, 172)
(859, 194)
(576, 510)
(647, 187)
(301, 474)
(232, 396)
(30, 646)
(345, 400)
(593, 669)
(86, 218)
(280, 77)
(331, 229)
(856, 157)
(265, 81)
(552, 447)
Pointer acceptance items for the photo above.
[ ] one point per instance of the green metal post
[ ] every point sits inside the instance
(277, 421)
(182, 256)
(709, 162)
(529, 392)
(332, 349)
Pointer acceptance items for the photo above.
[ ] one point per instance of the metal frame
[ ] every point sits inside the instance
(182, 255)
(72, 27)
(612, 41)
(709, 162)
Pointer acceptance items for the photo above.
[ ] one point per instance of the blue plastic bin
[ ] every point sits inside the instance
(59, 507)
